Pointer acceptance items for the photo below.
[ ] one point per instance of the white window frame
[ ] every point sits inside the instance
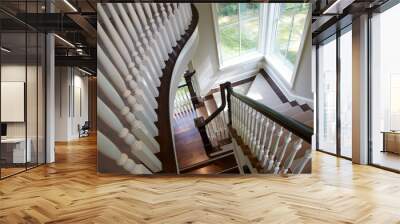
(278, 64)
(245, 58)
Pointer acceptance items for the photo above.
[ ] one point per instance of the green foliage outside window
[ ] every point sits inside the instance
(238, 28)
(290, 28)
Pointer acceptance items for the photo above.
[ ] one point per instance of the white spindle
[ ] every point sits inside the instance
(179, 17)
(137, 127)
(275, 149)
(173, 36)
(143, 62)
(163, 28)
(146, 96)
(293, 154)
(159, 65)
(147, 31)
(137, 147)
(172, 18)
(186, 19)
(260, 135)
(306, 158)
(119, 84)
(262, 149)
(278, 161)
(255, 132)
(109, 149)
(268, 149)
(156, 31)
(151, 80)
(251, 129)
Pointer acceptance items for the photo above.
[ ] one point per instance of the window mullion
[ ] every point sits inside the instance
(290, 34)
(240, 30)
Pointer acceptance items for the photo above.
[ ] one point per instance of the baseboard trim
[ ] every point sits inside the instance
(284, 94)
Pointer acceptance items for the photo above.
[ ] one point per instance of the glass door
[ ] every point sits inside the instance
(384, 111)
(346, 93)
(327, 75)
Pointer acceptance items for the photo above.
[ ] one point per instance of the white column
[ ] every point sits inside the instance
(50, 98)
(360, 90)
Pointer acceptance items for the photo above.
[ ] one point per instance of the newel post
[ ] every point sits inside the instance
(228, 87)
(200, 124)
(188, 78)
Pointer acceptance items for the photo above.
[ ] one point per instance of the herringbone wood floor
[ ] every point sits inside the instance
(70, 191)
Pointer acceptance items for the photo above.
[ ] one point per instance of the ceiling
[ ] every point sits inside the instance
(74, 22)
(332, 15)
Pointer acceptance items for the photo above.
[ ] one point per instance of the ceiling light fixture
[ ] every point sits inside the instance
(64, 40)
(70, 5)
(84, 71)
(5, 50)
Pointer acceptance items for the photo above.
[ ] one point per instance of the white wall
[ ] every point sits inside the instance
(69, 82)
(302, 85)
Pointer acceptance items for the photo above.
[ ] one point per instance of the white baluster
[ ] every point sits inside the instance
(156, 33)
(154, 44)
(262, 150)
(189, 101)
(109, 149)
(242, 119)
(186, 19)
(142, 62)
(251, 130)
(274, 150)
(277, 164)
(112, 71)
(163, 28)
(260, 135)
(158, 65)
(119, 83)
(257, 125)
(296, 148)
(143, 91)
(305, 160)
(178, 16)
(172, 18)
(267, 151)
(137, 147)
(137, 127)
(171, 32)
(151, 80)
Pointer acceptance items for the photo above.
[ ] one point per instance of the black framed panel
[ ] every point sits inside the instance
(22, 61)
(334, 33)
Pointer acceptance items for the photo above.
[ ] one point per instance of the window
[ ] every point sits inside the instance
(287, 31)
(237, 29)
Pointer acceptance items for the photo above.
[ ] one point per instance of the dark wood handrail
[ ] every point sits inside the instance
(220, 108)
(165, 138)
(297, 128)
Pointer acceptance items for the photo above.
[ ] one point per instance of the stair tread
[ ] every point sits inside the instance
(217, 166)
(304, 116)
(202, 112)
(261, 91)
(292, 111)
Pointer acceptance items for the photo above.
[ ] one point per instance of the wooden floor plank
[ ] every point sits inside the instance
(71, 191)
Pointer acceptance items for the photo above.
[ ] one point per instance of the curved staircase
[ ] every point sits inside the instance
(151, 123)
